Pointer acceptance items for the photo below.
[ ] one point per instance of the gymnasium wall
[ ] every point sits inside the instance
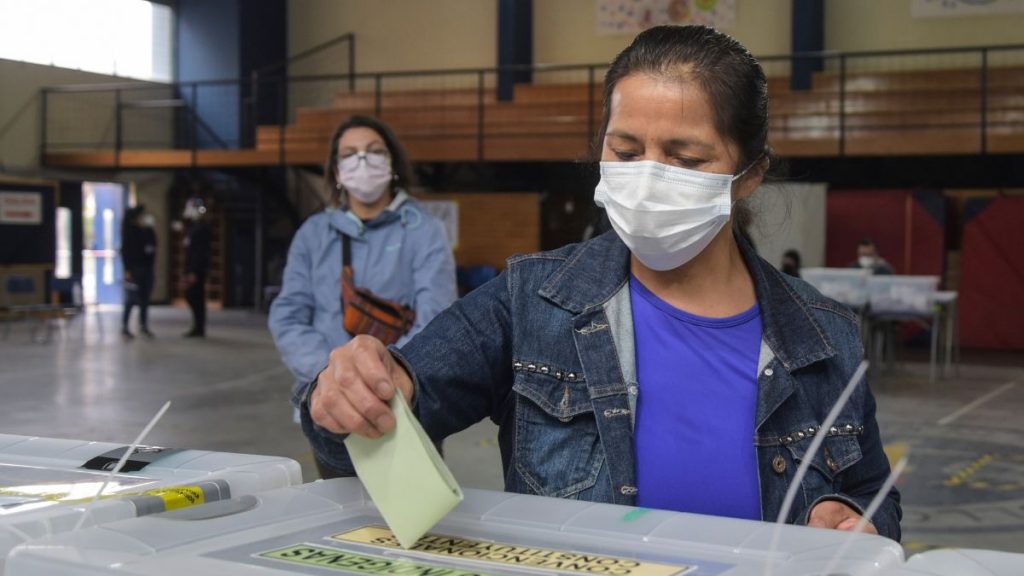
(397, 34)
(888, 25)
(790, 216)
(20, 109)
(462, 33)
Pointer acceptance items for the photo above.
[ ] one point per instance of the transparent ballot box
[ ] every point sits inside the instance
(902, 295)
(47, 485)
(969, 562)
(332, 527)
(845, 285)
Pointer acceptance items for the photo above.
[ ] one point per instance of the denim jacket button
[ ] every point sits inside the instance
(768, 371)
(779, 464)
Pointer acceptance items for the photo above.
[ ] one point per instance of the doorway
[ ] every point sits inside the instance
(102, 213)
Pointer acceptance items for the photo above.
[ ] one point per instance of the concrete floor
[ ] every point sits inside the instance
(964, 435)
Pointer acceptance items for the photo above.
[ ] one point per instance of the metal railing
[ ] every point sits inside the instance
(176, 112)
(104, 113)
(856, 103)
(257, 76)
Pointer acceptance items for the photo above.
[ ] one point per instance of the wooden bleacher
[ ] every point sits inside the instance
(881, 113)
(904, 113)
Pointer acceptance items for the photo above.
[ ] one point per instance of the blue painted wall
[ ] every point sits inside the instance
(807, 35)
(209, 48)
(264, 43)
(515, 44)
(228, 39)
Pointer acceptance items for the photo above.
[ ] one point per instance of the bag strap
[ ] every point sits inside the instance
(347, 284)
(346, 251)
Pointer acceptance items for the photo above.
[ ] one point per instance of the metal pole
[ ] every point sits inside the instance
(282, 114)
(351, 63)
(842, 104)
(257, 294)
(984, 100)
(590, 103)
(376, 95)
(195, 123)
(42, 127)
(117, 128)
(254, 108)
(480, 116)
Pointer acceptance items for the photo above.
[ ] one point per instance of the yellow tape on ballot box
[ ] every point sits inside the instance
(176, 497)
(511, 555)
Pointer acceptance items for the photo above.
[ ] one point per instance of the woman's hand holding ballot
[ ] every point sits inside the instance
(351, 395)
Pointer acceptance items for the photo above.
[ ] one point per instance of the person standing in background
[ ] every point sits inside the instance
(396, 251)
(138, 250)
(197, 264)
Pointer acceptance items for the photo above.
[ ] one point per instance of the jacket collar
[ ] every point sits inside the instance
(787, 323)
(598, 269)
(347, 222)
(592, 274)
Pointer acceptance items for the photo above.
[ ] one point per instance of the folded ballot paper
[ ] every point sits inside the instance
(405, 476)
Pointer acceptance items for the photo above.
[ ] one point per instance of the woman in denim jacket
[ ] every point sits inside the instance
(399, 252)
(664, 363)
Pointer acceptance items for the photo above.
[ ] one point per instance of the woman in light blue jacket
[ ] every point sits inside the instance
(398, 251)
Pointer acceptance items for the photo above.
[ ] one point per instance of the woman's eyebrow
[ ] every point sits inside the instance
(688, 143)
(625, 136)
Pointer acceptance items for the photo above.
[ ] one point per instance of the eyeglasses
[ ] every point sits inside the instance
(373, 159)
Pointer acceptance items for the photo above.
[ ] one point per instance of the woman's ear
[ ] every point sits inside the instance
(750, 181)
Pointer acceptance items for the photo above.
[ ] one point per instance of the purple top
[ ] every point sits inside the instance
(694, 432)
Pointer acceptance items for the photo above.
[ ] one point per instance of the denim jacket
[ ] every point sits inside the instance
(546, 351)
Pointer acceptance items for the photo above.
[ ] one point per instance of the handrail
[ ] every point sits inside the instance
(827, 54)
(251, 103)
(347, 37)
(110, 86)
(279, 85)
(209, 131)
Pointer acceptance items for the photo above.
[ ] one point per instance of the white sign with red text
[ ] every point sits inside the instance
(21, 208)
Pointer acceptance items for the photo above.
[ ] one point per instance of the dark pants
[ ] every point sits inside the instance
(142, 280)
(327, 471)
(195, 295)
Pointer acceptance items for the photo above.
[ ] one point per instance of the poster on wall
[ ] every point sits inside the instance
(21, 208)
(633, 16)
(958, 8)
(28, 233)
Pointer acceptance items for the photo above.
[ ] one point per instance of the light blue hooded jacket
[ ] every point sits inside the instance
(402, 255)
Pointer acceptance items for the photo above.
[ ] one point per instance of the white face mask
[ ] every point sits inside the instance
(664, 214)
(366, 176)
(866, 261)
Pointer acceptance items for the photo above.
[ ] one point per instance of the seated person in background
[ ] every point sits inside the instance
(661, 364)
(867, 257)
(791, 263)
